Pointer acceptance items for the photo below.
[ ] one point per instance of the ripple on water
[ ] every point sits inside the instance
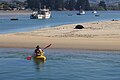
(60, 64)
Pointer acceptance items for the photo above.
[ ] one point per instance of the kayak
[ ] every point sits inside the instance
(43, 58)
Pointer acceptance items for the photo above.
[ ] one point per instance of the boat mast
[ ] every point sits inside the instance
(39, 7)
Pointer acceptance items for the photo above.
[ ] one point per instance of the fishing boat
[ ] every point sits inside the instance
(41, 14)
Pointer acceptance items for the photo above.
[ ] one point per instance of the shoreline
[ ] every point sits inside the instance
(17, 12)
(101, 36)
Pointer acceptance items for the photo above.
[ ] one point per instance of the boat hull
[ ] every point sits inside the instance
(42, 14)
(43, 58)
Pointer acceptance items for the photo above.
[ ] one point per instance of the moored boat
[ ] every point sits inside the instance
(41, 14)
(97, 15)
(94, 12)
(14, 19)
(82, 12)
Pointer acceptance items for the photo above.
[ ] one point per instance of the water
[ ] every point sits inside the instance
(60, 65)
(58, 18)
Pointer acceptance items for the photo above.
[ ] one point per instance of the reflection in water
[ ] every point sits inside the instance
(39, 64)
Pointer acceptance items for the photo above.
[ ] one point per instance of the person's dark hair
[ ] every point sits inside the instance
(37, 46)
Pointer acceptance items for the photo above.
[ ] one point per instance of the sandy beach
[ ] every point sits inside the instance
(99, 35)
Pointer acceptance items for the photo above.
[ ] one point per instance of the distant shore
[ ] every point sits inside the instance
(3, 12)
(99, 35)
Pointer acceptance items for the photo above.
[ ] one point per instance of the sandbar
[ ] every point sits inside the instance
(99, 35)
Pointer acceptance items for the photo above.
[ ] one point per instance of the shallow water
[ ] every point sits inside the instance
(58, 18)
(60, 64)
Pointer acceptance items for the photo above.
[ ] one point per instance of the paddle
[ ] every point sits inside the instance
(47, 46)
(29, 57)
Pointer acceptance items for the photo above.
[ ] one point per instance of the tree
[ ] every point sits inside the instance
(59, 4)
(71, 4)
(83, 4)
(119, 5)
(51, 4)
(5, 5)
(36, 4)
(43, 3)
(100, 8)
(78, 5)
(87, 5)
(33, 4)
(66, 3)
(102, 4)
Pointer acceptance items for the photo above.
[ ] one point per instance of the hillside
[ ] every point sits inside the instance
(11, 0)
(91, 1)
(107, 1)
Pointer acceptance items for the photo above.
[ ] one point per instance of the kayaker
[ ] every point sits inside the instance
(39, 51)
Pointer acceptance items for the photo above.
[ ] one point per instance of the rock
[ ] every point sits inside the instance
(79, 27)
(114, 20)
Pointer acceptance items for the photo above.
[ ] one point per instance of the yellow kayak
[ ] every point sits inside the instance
(43, 58)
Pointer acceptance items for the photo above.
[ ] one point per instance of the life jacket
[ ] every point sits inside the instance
(39, 52)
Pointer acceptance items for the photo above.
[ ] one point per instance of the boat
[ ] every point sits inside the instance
(14, 19)
(97, 15)
(41, 57)
(41, 14)
(81, 12)
(94, 12)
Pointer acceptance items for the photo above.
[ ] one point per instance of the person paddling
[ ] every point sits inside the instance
(39, 51)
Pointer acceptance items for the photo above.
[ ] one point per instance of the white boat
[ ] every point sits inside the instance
(41, 14)
(94, 12)
(81, 12)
